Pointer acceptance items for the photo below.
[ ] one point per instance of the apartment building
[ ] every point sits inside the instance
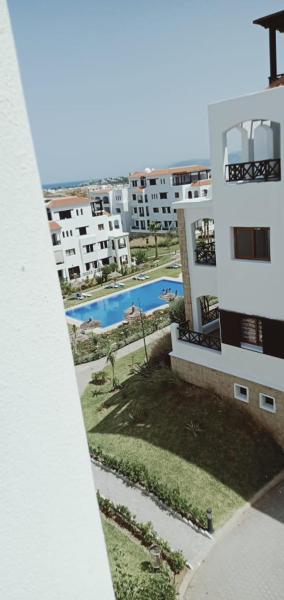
(114, 201)
(152, 194)
(233, 340)
(85, 237)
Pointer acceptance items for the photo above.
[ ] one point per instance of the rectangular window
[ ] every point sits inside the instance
(267, 403)
(77, 211)
(89, 248)
(82, 230)
(251, 333)
(118, 210)
(152, 181)
(81, 211)
(101, 227)
(70, 252)
(252, 243)
(63, 234)
(103, 244)
(135, 210)
(163, 195)
(146, 198)
(133, 196)
(134, 183)
(176, 194)
(65, 214)
(155, 209)
(241, 392)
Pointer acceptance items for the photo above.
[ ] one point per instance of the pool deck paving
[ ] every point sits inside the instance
(85, 370)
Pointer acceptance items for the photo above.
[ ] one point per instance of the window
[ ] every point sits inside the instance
(116, 224)
(101, 226)
(70, 252)
(189, 195)
(81, 211)
(155, 209)
(267, 403)
(196, 194)
(133, 196)
(118, 210)
(163, 195)
(147, 211)
(154, 196)
(135, 210)
(65, 214)
(204, 192)
(63, 234)
(67, 233)
(77, 211)
(134, 183)
(146, 199)
(252, 243)
(251, 333)
(176, 194)
(152, 181)
(91, 265)
(103, 244)
(110, 225)
(241, 392)
(89, 248)
(82, 230)
(175, 210)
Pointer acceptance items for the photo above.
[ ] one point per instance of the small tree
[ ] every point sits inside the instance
(154, 227)
(110, 359)
(140, 255)
(177, 311)
(106, 271)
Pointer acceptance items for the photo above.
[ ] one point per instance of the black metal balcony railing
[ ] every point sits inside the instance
(260, 170)
(200, 339)
(205, 254)
(209, 316)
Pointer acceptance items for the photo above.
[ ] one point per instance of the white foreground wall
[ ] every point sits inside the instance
(52, 546)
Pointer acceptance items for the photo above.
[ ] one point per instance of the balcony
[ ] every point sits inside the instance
(186, 334)
(205, 254)
(260, 170)
(209, 316)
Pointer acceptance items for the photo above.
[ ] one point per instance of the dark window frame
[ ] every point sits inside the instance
(252, 256)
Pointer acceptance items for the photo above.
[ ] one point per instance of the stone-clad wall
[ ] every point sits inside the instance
(184, 265)
(223, 384)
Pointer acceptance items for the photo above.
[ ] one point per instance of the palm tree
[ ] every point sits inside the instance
(110, 359)
(154, 227)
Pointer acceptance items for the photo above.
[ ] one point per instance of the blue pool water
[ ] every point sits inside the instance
(110, 310)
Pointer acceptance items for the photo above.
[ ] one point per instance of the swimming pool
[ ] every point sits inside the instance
(110, 310)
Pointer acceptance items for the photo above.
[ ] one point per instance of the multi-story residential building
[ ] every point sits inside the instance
(152, 194)
(114, 200)
(233, 340)
(85, 237)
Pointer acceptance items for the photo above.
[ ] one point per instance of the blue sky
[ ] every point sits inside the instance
(117, 85)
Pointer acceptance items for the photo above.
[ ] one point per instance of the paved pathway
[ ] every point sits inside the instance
(194, 544)
(247, 562)
(84, 371)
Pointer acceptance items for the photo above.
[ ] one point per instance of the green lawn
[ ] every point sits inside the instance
(100, 291)
(124, 549)
(212, 449)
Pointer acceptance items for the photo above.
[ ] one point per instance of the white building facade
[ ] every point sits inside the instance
(114, 200)
(233, 338)
(152, 194)
(85, 237)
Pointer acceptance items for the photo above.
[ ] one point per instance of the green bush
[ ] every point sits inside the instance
(175, 559)
(155, 587)
(138, 473)
(140, 255)
(99, 378)
(177, 311)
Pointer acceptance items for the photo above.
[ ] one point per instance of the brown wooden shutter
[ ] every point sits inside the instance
(273, 337)
(230, 328)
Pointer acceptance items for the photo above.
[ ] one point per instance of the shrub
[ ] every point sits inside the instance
(143, 531)
(177, 311)
(155, 587)
(99, 378)
(138, 473)
(140, 255)
(159, 355)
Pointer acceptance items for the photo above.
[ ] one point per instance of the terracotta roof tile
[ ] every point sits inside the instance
(170, 171)
(202, 182)
(68, 201)
(53, 226)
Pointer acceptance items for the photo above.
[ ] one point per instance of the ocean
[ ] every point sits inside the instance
(65, 184)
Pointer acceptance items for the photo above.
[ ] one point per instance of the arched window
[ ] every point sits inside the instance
(189, 195)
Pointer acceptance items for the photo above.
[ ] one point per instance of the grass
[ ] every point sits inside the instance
(124, 549)
(211, 449)
(100, 291)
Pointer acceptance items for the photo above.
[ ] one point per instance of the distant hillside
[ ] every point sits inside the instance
(191, 161)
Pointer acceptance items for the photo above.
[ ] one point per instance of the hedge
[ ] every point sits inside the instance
(138, 473)
(144, 532)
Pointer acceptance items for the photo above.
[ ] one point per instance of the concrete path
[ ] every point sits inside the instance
(247, 562)
(84, 371)
(194, 544)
